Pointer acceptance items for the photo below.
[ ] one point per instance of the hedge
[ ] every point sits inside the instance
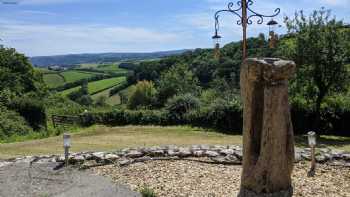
(225, 118)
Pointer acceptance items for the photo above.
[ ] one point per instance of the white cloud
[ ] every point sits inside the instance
(38, 39)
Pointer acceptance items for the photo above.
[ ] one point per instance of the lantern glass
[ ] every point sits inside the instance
(66, 140)
(312, 138)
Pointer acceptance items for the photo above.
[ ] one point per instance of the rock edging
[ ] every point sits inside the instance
(216, 154)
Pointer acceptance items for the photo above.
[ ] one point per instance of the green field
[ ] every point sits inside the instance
(97, 86)
(53, 80)
(72, 75)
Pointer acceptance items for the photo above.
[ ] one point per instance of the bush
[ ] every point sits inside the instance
(220, 114)
(60, 105)
(118, 88)
(147, 192)
(143, 96)
(81, 96)
(101, 101)
(125, 117)
(11, 123)
(32, 109)
(178, 106)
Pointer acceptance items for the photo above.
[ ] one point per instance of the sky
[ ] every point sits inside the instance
(53, 27)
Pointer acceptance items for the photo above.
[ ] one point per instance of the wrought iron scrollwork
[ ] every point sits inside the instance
(250, 13)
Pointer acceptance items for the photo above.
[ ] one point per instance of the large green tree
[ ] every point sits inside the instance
(318, 45)
(17, 74)
(179, 79)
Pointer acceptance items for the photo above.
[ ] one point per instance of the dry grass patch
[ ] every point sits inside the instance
(102, 138)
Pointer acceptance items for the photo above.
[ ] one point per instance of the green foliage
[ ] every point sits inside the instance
(81, 96)
(101, 101)
(179, 79)
(320, 53)
(125, 117)
(180, 105)
(98, 86)
(118, 88)
(147, 192)
(11, 123)
(32, 109)
(221, 114)
(143, 96)
(59, 105)
(17, 74)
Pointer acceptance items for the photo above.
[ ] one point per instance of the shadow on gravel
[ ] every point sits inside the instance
(41, 180)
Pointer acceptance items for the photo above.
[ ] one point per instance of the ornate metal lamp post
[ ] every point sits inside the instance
(245, 18)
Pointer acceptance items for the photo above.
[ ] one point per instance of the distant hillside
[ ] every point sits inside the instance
(73, 59)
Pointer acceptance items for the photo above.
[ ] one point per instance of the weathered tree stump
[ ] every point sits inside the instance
(268, 143)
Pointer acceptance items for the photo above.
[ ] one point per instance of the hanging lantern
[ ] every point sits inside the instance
(216, 39)
(272, 36)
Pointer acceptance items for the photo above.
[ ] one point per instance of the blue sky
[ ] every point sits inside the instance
(50, 27)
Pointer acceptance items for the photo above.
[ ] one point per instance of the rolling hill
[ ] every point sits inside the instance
(74, 59)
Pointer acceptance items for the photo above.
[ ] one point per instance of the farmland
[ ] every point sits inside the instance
(71, 76)
(111, 100)
(55, 79)
(98, 86)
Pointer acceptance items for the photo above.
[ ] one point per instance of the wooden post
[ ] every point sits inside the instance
(268, 142)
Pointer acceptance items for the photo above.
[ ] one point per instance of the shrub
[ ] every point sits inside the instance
(220, 114)
(118, 88)
(85, 100)
(81, 96)
(101, 101)
(178, 106)
(32, 109)
(147, 192)
(60, 105)
(11, 123)
(143, 96)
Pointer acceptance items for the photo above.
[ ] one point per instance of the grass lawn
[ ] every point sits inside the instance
(102, 138)
(97, 86)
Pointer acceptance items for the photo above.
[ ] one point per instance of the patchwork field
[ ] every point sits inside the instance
(97, 86)
(55, 79)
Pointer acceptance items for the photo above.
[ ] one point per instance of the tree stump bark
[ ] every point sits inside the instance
(268, 142)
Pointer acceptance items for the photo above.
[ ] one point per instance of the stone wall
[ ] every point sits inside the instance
(216, 154)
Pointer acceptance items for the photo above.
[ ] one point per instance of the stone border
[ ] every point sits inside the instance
(216, 154)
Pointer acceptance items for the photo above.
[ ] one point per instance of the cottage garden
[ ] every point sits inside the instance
(207, 126)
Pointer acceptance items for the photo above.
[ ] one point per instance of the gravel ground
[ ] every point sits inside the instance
(189, 178)
(40, 180)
